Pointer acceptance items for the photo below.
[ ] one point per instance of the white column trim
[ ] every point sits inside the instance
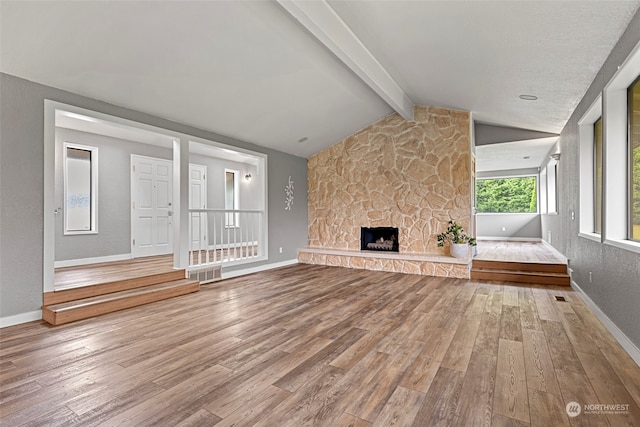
(181, 238)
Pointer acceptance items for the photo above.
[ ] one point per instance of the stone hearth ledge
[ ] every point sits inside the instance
(409, 263)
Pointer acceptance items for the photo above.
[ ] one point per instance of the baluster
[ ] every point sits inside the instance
(204, 219)
(216, 238)
(228, 238)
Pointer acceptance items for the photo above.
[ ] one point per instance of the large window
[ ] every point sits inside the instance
(592, 195)
(620, 170)
(597, 176)
(80, 189)
(507, 195)
(634, 160)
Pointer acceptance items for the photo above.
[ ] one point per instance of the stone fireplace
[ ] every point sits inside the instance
(379, 239)
(414, 175)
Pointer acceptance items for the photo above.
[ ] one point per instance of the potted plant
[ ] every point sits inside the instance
(457, 238)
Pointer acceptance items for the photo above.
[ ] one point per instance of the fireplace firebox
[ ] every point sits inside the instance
(379, 239)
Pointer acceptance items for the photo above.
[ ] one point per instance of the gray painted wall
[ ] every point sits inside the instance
(114, 195)
(114, 181)
(279, 172)
(493, 134)
(616, 272)
(249, 192)
(522, 225)
(22, 187)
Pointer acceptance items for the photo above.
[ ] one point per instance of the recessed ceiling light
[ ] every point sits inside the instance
(303, 139)
(528, 97)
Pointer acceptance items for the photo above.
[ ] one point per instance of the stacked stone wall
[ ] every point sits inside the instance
(414, 175)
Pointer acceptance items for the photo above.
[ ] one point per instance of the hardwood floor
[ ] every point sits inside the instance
(93, 274)
(518, 251)
(316, 345)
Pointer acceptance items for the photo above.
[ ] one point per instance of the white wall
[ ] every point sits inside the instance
(521, 225)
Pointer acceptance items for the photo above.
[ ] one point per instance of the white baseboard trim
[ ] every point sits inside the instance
(510, 239)
(245, 271)
(624, 341)
(547, 244)
(94, 260)
(17, 319)
(554, 250)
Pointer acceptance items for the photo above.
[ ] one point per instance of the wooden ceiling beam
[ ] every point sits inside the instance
(319, 18)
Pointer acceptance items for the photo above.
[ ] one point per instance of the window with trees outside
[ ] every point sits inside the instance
(507, 195)
(634, 160)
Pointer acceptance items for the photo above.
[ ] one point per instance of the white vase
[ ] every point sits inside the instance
(459, 250)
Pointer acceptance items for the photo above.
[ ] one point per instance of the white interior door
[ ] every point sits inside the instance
(198, 200)
(151, 206)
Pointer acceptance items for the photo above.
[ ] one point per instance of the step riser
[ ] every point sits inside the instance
(58, 297)
(97, 309)
(521, 266)
(533, 279)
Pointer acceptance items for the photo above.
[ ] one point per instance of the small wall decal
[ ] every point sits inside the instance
(288, 191)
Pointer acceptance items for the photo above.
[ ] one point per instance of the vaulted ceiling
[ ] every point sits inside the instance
(272, 73)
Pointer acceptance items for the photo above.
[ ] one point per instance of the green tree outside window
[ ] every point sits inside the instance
(507, 195)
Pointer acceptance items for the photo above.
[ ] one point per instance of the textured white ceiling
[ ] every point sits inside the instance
(529, 154)
(250, 71)
(481, 55)
(241, 69)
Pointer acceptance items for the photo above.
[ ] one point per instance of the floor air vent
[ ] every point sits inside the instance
(561, 299)
(206, 274)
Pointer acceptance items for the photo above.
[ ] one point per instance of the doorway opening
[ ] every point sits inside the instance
(174, 182)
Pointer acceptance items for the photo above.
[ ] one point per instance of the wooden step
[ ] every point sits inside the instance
(75, 293)
(520, 266)
(521, 276)
(70, 311)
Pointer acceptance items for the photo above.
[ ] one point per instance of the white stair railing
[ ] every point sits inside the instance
(226, 236)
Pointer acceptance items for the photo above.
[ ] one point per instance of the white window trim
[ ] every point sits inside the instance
(94, 188)
(542, 191)
(552, 184)
(586, 141)
(615, 147)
